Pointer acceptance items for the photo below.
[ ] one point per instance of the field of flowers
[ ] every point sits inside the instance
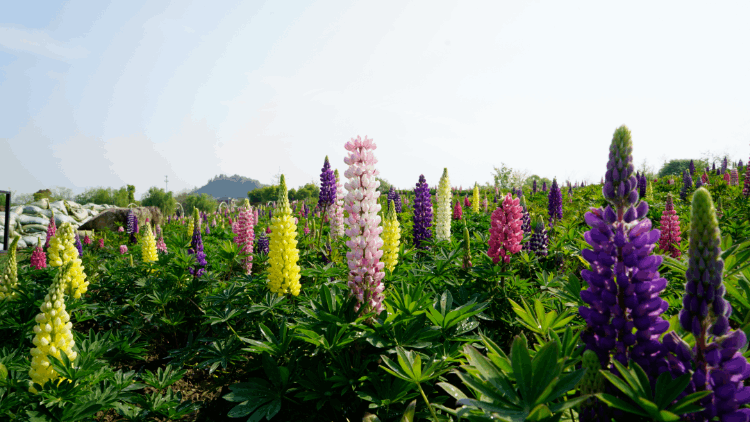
(626, 300)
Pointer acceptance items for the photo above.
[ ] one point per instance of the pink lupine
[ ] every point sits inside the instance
(101, 243)
(38, 258)
(458, 212)
(123, 249)
(669, 240)
(121, 229)
(704, 178)
(726, 178)
(361, 202)
(505, 230)
(160, 245)
(52, 229)
(466, 201)
(245, 231)
(86, 239)
(734, 178)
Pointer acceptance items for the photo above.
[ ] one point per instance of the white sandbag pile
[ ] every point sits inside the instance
(31, 221)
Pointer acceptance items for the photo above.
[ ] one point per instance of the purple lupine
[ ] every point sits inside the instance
(623, 283)
(263, 243)
(533, 187)
(739, 166)
(538, 241)
(132, 227)
(422, 213)
(554, 202)
(724, 165)
(691, 167)
(78, 244)
(698, 183)
(396, 198)
(196, 248)
(544, 186)
(642, 183)
(687, 185)
(716, 361)
(525, 223)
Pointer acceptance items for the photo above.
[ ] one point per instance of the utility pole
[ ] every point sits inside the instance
(166, 184)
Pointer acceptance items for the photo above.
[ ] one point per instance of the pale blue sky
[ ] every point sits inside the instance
(96, 93)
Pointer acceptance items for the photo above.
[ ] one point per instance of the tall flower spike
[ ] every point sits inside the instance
(443, 214)
(363, 258)
(327, 195)
(554, 202)
(687, 185)
(669, 241)
(61, 251)
(51, 229)
(38, 257)
(336, 212)
(396, 198)
(623, 308)
(691, 167)
(505, 230)
(422, 213)
(734, 178)
(533, 187)
(391, 237)
(9, 275)
(148, 250)
(458, 212)
(196, 247)
(538, 242)
(283, 274)
(475, 199)
(245, 235)
(53, 334)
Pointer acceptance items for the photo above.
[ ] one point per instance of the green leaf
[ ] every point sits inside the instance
(521, 362)
(617, 403)
(409, 412)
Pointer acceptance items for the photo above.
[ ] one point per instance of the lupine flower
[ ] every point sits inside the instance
(691, 167)
(554, 202)
(61, 251)
(727, 179)
(623, 282)
(283, 274)
(365, 267)
(544, 186)
(191, 226)
(734, 179)
(533, 187)
(467, 203)
(704, 179)
(38, 259)
(458, 212)
(148, 250)
(327, 195)
(245, 235)
(505, 230)
(739, 166)
(86, 239)
(101, 243)
(525, 223)
(538, 241)
(336, 212)
(724, 165)
(687, 185)
(443, 214)
(53, 334)
(422, 213)
(475, 199)
(263, 243)
(9, 275)
(391, 237)
(132, 227)
(485, 203)
(396, 198)
(642, 182)
(78, 245)
(716, 361)
(51, 230)
(669, 241)
(306, 229)
(160, 245)
(196, 247)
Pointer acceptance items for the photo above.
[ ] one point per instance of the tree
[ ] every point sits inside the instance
(156, 197)
(263, 195)
(204, 202)
(131, 194)
(507, 178)
(676, 167)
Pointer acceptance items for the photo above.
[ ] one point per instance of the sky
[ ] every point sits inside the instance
(98, 93)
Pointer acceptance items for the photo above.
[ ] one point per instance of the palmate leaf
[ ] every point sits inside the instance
(258, 397)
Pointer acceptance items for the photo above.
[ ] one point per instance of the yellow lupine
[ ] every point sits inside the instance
(9, 275)
(190, 227)
(148, 249)
(53, 334)
(62, 250)
(391, 237)
(283, 273)
(475, 198)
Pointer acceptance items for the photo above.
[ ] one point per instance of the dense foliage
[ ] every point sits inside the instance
(457, 336)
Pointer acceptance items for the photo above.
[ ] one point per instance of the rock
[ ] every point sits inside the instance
(34, 228)
(62, 218)
(32, 210)
(108, 218)
(21, 244)
(31, 241)
(59, 207)
(42, 203)
(18, 210)
(28, 219)
(79, 214)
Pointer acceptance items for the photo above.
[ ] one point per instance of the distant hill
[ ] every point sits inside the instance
(223, 186)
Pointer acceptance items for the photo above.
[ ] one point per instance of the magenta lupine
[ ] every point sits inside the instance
(458, 212)
(361, 202)
(101, 243)
(505, 230)
(38, 258)
(669, 241)
(734, 178)
(86, 239)
(245, 235)
(466, 201)
(52, 228)
(746, 183)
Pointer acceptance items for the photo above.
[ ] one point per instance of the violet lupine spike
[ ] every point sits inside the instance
(538, 241)
(132, 227)
(642, 183)
(687, 185)
(422, 213)
(364, 228)
(533, 187)
(691, 167)
(263, 243)
(78, 245)
(544, 186)
(554, 202)
(739, 166)
(396, 198)
(724, 165)
(623, 283)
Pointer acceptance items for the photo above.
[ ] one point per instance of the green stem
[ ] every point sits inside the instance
(432, 412)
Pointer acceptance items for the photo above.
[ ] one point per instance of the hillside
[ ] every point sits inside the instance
(234, 186)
